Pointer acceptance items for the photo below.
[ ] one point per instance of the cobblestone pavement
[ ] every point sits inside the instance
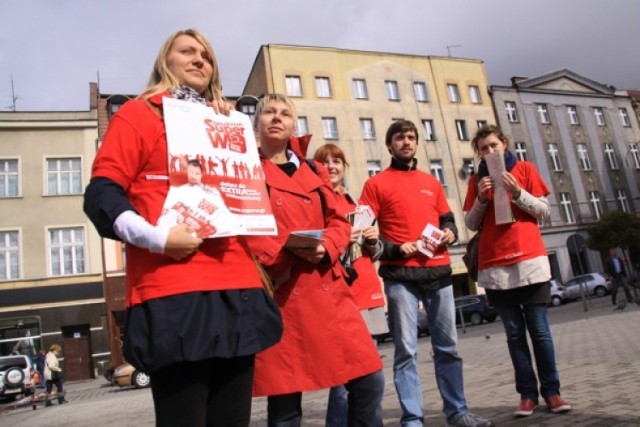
(598, 355)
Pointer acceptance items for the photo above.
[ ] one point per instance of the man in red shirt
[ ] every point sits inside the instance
(405, 200)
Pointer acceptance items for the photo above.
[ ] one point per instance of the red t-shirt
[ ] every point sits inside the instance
(507, 244)
(134, 155)
(404, 202)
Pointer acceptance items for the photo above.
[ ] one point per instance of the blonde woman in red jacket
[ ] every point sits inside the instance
(325, 341)
(196, 310)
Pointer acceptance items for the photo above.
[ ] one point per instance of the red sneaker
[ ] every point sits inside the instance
(526, 408)
(557, 405)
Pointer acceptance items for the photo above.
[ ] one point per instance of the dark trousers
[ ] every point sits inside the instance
(212, 392)
(617, 281)
(59, 390)
(364, 404)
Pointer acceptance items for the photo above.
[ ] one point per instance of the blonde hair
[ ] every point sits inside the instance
(273, 97)
(162, 79)
(55, 347)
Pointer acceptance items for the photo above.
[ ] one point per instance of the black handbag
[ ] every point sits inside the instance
(351, 273)
(55, 375)
(470, 258)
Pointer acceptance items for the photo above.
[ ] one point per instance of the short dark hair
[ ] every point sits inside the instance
(400, 126)
(195, 163)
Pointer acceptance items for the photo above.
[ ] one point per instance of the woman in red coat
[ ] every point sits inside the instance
(325, 341)
(366, 289)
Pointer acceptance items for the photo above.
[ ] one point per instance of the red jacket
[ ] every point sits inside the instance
(366, 289)
(325, 341)
(134, 154)
(507, 244)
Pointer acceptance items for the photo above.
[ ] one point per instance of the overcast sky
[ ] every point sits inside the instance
(54, 48)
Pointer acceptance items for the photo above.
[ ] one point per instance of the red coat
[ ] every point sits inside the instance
(366, 289)
(325, 341)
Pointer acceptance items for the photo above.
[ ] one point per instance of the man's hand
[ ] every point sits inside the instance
(409, 249)
(448, 237)
(181, 242)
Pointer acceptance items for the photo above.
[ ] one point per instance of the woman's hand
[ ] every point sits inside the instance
(312, 255)
(511, 184)
(221, 106)
(371, 235)
(181, 242)
(355, 234)
(484, 185)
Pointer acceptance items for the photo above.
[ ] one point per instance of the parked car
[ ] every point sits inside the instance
(17, 376)
(595, 284)
(126, 375)
(475, 309)
(558, 294)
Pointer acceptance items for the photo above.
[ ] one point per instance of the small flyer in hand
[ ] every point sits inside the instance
(304, 239)
(430, 240)
(361, 218)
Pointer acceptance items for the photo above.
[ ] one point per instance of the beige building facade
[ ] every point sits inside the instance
(50, 255)
(350, 97)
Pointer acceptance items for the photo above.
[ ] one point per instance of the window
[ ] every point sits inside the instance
(599, 114)
(583, 155)
(610, 154)
(474, 94)
(391, 86)
(635, 154)
(66, 246)
(366, 129)
(468, 166)
(481, 123)
(621, 196)
(461, 128)
(521, 151)
(454, 94)
(64, 176)
(552, 149)
(594, 199)
(429, 130)
(420, 91)
(359, 87)
(114, 107)
(437, 171)
(302, 127)
(329, 128)
(323, 87)
(543, 113)
(9, 255)
(373, 167)
(573, 115)
(512, 113)
(567, 208)
(249, 110)
(9, 178)
(624, 116)
(294, 87)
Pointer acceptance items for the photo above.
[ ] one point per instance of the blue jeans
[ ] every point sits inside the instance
(370, 388)
(403, 299)
(532, 317)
